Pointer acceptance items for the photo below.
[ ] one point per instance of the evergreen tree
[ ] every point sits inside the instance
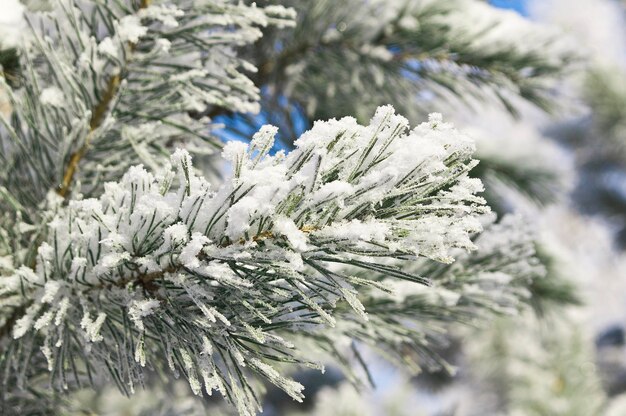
(122, 265)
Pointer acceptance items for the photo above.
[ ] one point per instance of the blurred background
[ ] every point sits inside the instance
(541, 86)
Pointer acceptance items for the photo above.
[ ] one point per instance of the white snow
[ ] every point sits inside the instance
(107, 47)
(358, 230)
(166, 14)
(139, 309)
(188, 255)
(92, 327)
(51, 288)
(289, 229)
(12, 24)
(130, 29)
(53, 97)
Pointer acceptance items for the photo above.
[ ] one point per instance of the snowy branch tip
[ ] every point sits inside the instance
(255, 255)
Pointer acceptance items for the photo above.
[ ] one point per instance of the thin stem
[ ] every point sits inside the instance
(98, 116)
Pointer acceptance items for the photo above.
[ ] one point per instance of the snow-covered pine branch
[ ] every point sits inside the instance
(420, 55)
(217, 284)
(408, 325)
(411, 324)
(413, 53)
(109, 84)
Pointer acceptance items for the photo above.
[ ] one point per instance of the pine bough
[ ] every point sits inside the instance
(414, 53)
(162, 271)
(126, 80)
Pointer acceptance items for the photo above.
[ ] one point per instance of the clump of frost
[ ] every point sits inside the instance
(52, 96)
(140, 309)
(130, 29)
(92, 326)
(107, 47)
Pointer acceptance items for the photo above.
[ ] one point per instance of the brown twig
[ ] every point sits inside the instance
(98, 116)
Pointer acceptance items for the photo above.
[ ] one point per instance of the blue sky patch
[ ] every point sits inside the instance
(517, 5)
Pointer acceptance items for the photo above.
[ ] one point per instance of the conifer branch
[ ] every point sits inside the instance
(405, 50)
(152, 91)
(250, 263)
(97, 118)
(98, 115)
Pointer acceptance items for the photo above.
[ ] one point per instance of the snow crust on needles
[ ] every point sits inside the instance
(119, 216)
(348, 194)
